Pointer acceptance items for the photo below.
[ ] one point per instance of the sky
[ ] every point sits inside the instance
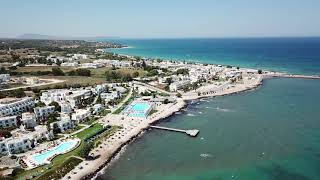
(161, 18)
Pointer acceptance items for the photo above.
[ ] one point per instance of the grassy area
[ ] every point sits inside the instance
(100, 72)
(75, 80)
(106, 135)
(104, 112)
(41, 68)
(89, 132)
(153, 111)
(97, 73)
(61, 170)
(91, 120)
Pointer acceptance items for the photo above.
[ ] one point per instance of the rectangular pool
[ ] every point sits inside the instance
(138, 109)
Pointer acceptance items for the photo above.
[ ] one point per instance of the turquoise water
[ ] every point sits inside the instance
(61, 148)
(270, 133)
(138, 109)
(294, 55)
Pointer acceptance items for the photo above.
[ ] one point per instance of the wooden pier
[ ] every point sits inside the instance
(190, 132)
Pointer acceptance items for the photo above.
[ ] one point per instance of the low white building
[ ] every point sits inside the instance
(32, 80)
(40, 133)
(110, 95)
(74, 97)
(13, 106)
(63, 125)
(178, 85)
(4, 78)
(56, 95)
(97, 108)
(79, 56)
(29, 120)
(8, 121)
(80, 114)
(65, 107)
(99, 88)
(120, 89)
(69, 64)
(91, 65)
(43, 112)
(16, 145)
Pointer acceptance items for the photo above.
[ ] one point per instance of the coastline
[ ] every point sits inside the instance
(91, 170)
(114, 150)
(113, 146)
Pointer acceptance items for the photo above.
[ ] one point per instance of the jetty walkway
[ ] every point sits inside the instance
(190, 132)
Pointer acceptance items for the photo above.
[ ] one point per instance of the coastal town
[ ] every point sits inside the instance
(68, 107)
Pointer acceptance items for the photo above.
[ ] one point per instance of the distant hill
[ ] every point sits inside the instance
(40, 36)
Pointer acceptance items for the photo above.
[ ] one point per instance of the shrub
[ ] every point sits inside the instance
(57, 71)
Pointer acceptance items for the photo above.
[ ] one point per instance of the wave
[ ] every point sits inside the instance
(220, 109)
(190, 114)
(205, 155)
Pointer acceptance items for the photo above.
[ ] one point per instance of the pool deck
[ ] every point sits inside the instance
(32, 163)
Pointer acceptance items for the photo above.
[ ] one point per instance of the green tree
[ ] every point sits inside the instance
(179, 95)
(56, 105)
(56, 128)
(182, 71)
(135, 74)
(84, 152)
(57, 71)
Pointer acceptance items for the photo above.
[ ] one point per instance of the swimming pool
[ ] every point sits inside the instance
(62, 148)
(138, 109)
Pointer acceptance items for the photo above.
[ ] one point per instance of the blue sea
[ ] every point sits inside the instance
(293, 55)
(271, 133)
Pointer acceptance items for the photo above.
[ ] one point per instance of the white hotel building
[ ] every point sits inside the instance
(80, 114)
(11, 106)
(8, 121)
(29, 120)
(4, 78)
(15, 145)
(43, 112)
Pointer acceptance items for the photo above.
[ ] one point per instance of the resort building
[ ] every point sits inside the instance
(79, 56)
(13, 106)
(91, 65)
(99, 88)
(29, 120)
(4, 78)
(3, 148)
(39, 133)
(97, 108)
(8, 121)
(65, 107)
(56, 95)
(80, 114)
(63, 125)
(43, 112)
(120, 89)
(75, 98)
(69, 64)
(32, 80)
(178, 85)
(110, 95)
(16, 145)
